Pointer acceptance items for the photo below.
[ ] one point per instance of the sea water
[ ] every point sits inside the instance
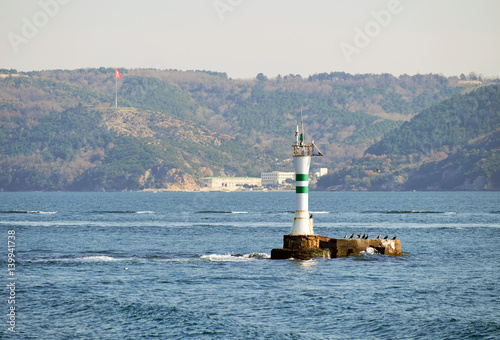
(196, 265)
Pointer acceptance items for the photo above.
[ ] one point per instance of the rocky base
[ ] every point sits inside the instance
(303, 247)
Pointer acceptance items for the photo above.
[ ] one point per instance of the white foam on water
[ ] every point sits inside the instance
(258, 255)
(256, 224)
(98, 258)
(306, 264)
(95, 258)
(396, 225)
(239, 212)
(27, 212)
(34, 212)
(145, 212)
(234, 258)
(319, 212)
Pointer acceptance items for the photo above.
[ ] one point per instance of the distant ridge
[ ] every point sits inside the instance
(59, 129)
(453, 145)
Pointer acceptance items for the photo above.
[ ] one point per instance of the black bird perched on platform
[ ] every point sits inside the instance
(358, 235)
(352, 235)
(386, 237)
(366, 237)
(394, 237)
(379, 237)
(363, 237)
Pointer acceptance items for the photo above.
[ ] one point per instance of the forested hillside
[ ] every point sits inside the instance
(59, 129)
(453, 145)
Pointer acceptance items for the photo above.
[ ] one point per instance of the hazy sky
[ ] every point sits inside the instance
(247, 37)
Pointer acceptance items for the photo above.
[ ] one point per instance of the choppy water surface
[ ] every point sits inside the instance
(196, 265)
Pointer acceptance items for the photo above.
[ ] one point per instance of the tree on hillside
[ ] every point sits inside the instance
(261, 77)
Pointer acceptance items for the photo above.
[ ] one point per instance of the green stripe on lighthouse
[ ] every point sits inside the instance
(301, 190)
(301, 177)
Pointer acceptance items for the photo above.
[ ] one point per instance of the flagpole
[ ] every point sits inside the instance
(116, 91)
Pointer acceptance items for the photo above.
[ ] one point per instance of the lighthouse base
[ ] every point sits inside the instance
(304, 247)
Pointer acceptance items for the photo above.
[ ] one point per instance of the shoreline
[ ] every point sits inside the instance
(211, 190)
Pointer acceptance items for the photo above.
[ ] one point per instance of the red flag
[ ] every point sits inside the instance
(118, 74)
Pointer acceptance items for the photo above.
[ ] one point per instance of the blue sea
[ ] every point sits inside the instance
(194, 265)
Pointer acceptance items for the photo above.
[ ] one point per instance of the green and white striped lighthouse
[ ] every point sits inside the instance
(302, 153)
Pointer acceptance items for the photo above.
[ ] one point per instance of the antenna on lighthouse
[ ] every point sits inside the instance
(303, 137)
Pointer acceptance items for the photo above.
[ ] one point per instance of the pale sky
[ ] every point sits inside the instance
(247, 37)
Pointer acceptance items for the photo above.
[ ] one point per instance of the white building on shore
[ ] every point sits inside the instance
(230, 182)
(276, 177)
(320, 172)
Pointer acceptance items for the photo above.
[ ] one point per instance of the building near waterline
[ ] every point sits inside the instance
(320, 172)
(276, 177)
(230, 182)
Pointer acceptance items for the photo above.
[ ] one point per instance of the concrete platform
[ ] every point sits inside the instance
(304, 247)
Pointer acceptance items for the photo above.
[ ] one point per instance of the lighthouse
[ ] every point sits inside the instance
(302, 243)
(302, 153)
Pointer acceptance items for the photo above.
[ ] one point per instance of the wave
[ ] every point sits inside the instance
(27, 212)
(122, 212)
(235, 258)
(99, 258)
(286, 212)
(354, 226)
(220, 212)
(93, 258)
(405, 212)
(168, 258)
(112, 258)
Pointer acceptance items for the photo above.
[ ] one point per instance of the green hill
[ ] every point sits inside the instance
(453, 145)
(107, 149)
(59, 129)
(450, 123)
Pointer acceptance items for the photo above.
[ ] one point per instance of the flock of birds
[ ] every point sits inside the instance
(365, 236)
